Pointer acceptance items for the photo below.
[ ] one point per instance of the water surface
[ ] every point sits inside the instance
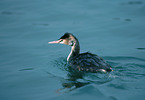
(30, 69)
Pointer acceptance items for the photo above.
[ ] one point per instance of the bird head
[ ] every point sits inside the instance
(67, 39)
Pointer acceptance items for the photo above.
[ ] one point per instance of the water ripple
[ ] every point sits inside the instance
(126, 69)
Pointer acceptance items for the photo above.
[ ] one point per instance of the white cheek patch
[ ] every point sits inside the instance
(71, 43)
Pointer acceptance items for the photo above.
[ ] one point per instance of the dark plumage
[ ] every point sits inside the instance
(66, 35)
(87, 62)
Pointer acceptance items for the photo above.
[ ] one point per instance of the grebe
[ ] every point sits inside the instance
(87, 62)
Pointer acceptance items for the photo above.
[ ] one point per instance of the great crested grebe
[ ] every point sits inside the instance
(87, 62)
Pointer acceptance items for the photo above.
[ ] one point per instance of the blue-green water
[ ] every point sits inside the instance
(31, 69)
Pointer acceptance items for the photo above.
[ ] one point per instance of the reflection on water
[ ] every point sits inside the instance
(71, 82)
(76, 79)
(126, 72)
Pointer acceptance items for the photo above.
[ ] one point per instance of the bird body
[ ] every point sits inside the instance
(87, 62)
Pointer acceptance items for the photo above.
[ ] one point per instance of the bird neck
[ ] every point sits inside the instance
(75, 50)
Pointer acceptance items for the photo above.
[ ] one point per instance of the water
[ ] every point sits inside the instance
(30, 69)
